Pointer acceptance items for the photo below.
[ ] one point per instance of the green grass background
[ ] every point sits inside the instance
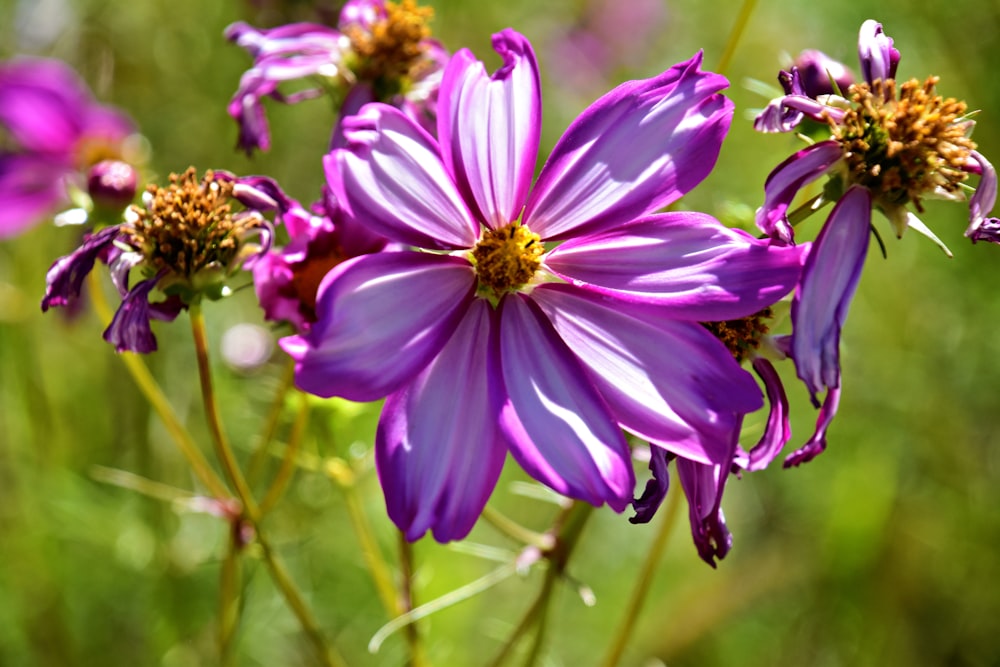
(883, 551)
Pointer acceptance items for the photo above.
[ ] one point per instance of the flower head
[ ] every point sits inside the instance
(380, 51)
(55, 133)
(892, 146)
(186, 241)
(536, 319)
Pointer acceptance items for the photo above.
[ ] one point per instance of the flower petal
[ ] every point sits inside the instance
(638, 148)
(817, 443)
(875, 50)
(783, 114)
(666, 381)
(392, 177)
(31, 188)
(558, 427)
(439, 451)
(778, 429)
(380, 319)
(645, 506)
(489, 131)
(684, 261)
(130, 330)
(785, 181)
(703, 485)
(985, 197)
(830, 276)
(65, 278)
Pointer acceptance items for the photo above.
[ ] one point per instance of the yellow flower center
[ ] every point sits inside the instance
(390, 52)
(506, 259)
(741, 336)
(901, 148)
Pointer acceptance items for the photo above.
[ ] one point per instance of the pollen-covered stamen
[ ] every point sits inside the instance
(741, 336)
(189, 225)
(390, 50)
(905, 147)
(507, 258)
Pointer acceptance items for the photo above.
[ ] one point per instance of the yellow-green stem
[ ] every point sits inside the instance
(512, 529)
(151, 390)
(259, 454)
(417, 658)
(641, 587)
(229, 598)
(287, 469)
(735, 34)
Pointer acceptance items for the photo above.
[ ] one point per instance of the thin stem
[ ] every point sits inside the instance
(229, 599)
(287, 469)
(342, 474)
(157, 400)
(735, 34)
(510, 528)
(250, 507)
(417, 657)
(806, 209)
(642, 583)
(271, 425)
(567, 529)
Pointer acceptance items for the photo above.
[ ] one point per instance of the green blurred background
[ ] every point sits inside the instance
(883, 551)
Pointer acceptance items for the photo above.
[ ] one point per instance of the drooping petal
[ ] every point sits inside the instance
(830, 276)
(875, 50)
(666, 381)
(785, 181)
(645, 506)
(778, 429)
(985, 197)
(489, 132)
(817, 443)
(636, 149)
(31, 188)
(380, 319)
(686, 262)
(438, 448)
(130, 330)
(703, 485)
(783, 114)
(557, 425)
(65, 277)
(392, 177)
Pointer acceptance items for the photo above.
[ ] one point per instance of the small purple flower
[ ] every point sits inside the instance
(185, 241)
(380, 51)
(821, 75)
(891, 146)
(57, 132)
(496, 338)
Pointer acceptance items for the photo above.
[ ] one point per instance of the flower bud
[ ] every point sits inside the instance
(818, 70)
(111, 184)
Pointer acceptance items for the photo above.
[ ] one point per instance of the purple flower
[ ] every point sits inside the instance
(891, 146)
(379, 52)
(821, 75)
(57, 133)
(492, 338)
(185, 241)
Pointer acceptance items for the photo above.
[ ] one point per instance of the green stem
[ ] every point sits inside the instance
(807, 209)
(567, 530)
(735, 34)
(287, 469)
(259, 454)
(417, 658)
(641, 587)
(229, 599)
(151, 391)
(252, 511)
(543, 541)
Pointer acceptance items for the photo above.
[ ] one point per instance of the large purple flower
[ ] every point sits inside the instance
(492, 338)
(57, 132)
(891, 146)
(378, 52)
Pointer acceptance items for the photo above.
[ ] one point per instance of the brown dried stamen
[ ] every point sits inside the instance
(906, 147)
(741, 336)
(507, 258)
(392, 48)
(188, 225)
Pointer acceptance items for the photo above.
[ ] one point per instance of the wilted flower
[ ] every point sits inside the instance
(380, 51)
(56, 132)
(493, 338)
(892, 145)
(186, 241)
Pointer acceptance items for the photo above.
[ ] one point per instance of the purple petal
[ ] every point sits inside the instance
(830, 276)
(489, 129)
(817, 443)
(380, 319)
(703, 485)
(439, 451)
(785, 181)
(985, 197)
(65, 277)
(878, 57)
(778, 429)
(820, 74)
(42, 104)
(783, 114)
(558, 427)
(666, 381)
(686, 262)
(130, 329)
(31, 188)
(645, 506)
(392, 177)
(638, 148)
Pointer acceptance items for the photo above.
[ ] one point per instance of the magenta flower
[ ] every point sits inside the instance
(491, 337)
(886, 151)
(185, 241)
(57, 133)
(380, 51)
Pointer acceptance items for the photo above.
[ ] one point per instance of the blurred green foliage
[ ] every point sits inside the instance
(884, 551)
